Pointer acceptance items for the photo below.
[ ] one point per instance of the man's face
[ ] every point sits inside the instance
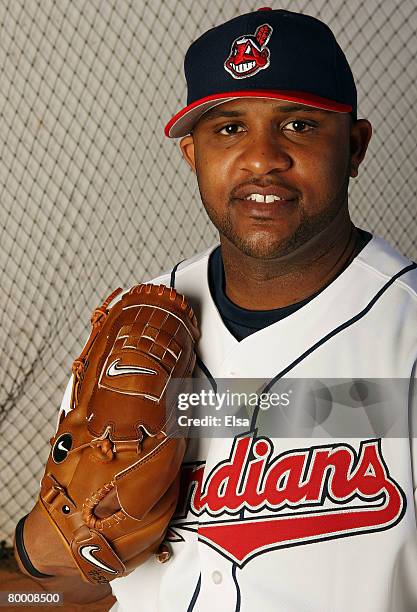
(271, 174)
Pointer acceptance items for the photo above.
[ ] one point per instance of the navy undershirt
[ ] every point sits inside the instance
(240, 321)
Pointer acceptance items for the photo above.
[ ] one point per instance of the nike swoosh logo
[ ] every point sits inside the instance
(115, 370)
(61, 446)
(87, 553)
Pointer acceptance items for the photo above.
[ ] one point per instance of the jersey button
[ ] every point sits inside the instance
(216, 577)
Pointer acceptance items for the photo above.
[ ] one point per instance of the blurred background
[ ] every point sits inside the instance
(93, 196)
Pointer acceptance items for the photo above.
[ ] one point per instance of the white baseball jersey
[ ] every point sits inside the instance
(282, 524)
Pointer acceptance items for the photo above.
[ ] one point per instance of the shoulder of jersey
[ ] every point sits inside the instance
(187, 266)
(379, 258)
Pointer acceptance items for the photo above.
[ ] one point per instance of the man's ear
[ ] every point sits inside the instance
(187, 150)
(360, 135)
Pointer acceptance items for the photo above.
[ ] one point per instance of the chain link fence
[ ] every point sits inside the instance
(93, 195)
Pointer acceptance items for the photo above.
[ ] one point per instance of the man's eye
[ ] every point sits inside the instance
(230, 129)
(298, 126)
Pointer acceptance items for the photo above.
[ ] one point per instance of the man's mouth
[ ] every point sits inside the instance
(268, 194)
(265, 199)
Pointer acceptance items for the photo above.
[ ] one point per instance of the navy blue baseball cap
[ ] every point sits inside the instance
(267, 53)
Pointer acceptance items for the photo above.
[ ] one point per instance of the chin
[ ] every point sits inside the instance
(262, 247)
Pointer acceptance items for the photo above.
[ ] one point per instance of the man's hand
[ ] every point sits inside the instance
(49, 556)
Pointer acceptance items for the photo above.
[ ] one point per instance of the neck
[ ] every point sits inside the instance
(257, 284)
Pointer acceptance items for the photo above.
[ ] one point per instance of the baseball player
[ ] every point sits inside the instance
(299, 510)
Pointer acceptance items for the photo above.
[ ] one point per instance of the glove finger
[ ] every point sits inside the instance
(152, 475)
(108, 505)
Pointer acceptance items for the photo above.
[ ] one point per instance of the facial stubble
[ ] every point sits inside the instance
(260, 244)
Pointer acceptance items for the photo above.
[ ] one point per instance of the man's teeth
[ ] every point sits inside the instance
(268, 199)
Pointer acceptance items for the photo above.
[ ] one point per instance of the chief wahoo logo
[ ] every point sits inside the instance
(249, 53)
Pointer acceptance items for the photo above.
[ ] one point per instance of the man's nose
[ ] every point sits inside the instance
(264, 153)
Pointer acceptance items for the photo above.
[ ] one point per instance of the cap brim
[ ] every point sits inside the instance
(183, 122)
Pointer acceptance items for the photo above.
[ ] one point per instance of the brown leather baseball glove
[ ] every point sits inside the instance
(116, 441)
